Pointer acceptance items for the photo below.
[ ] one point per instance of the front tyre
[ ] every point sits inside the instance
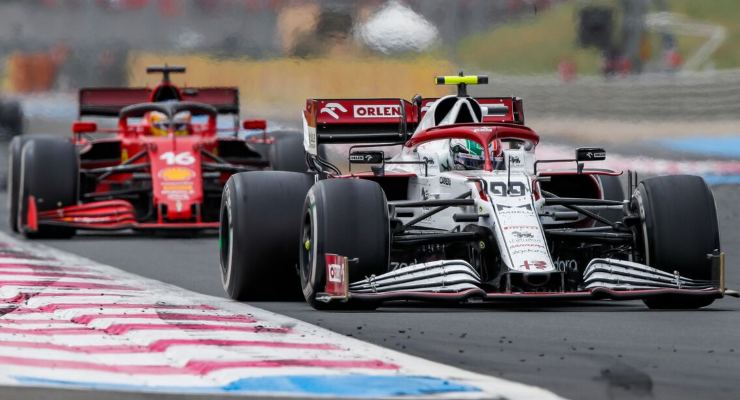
(49, 176)
(679, 229)
(260, 216)
(12, 182)
(348, 217)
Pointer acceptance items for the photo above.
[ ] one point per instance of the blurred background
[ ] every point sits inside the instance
(587, 69)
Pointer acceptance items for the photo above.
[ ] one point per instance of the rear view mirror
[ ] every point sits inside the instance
(494, 110)
(84, 127)
(260, 124)
(590, 154)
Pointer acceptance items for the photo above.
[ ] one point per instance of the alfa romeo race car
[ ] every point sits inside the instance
(162, 167)
(462, 211)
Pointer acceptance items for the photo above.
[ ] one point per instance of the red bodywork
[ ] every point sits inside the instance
(130, 179)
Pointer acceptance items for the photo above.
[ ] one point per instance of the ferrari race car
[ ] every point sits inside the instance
(462, 211)
(162, 167)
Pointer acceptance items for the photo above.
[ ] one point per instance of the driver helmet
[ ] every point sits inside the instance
(468, 154)
(181, 123)
(158, 123)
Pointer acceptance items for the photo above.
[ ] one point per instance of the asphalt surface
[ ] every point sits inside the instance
(578, 350)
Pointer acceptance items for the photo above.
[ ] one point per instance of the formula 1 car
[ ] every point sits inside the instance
(162, 168)
(463, 212)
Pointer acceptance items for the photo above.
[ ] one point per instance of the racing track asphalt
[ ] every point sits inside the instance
(578, 350)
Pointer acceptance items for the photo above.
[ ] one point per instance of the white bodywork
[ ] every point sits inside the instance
(509, 210)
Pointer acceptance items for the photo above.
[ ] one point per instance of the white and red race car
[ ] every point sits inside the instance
(461, 211)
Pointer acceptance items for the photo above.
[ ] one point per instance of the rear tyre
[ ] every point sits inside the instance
(679, 229)
(348, 217)
(258, 232)
(50, 172)
(12, 181)
(286, 153)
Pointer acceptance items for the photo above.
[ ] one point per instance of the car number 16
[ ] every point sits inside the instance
(184, 158)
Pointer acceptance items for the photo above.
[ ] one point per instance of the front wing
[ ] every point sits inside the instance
(455, 281)
(109, 215)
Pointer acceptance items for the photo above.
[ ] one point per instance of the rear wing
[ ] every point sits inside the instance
(108, 102)
(370, 121)
(357, 121)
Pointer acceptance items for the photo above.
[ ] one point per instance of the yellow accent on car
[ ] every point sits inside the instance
(457, 80)
(176, 174)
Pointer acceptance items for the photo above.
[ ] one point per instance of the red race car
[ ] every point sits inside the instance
(162, 167)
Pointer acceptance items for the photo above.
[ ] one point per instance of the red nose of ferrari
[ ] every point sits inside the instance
(176, 178)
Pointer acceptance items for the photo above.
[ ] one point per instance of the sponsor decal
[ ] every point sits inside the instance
(444, 180)
(483, 129)
(522, 235)
(520, 251)
(397, 265)
(336, 273)
(175, 174)
(336, 284)
(514, 160)
(501, 207)
(531, 265)
(521, 227)
(527, 245)
(377, 111)
(186, 187)
(332, 108)
(366, 157)
(566, 265)
(178, 190)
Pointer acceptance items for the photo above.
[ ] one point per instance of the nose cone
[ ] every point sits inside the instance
(176, 178)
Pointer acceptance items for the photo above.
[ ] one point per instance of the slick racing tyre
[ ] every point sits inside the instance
(287, 153)
(679, 229)
(12, 181)
(259, 229)
(49, 176)
(347, 217)
(11, 118)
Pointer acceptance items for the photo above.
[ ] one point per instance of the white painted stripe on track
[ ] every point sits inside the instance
(173, 355)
